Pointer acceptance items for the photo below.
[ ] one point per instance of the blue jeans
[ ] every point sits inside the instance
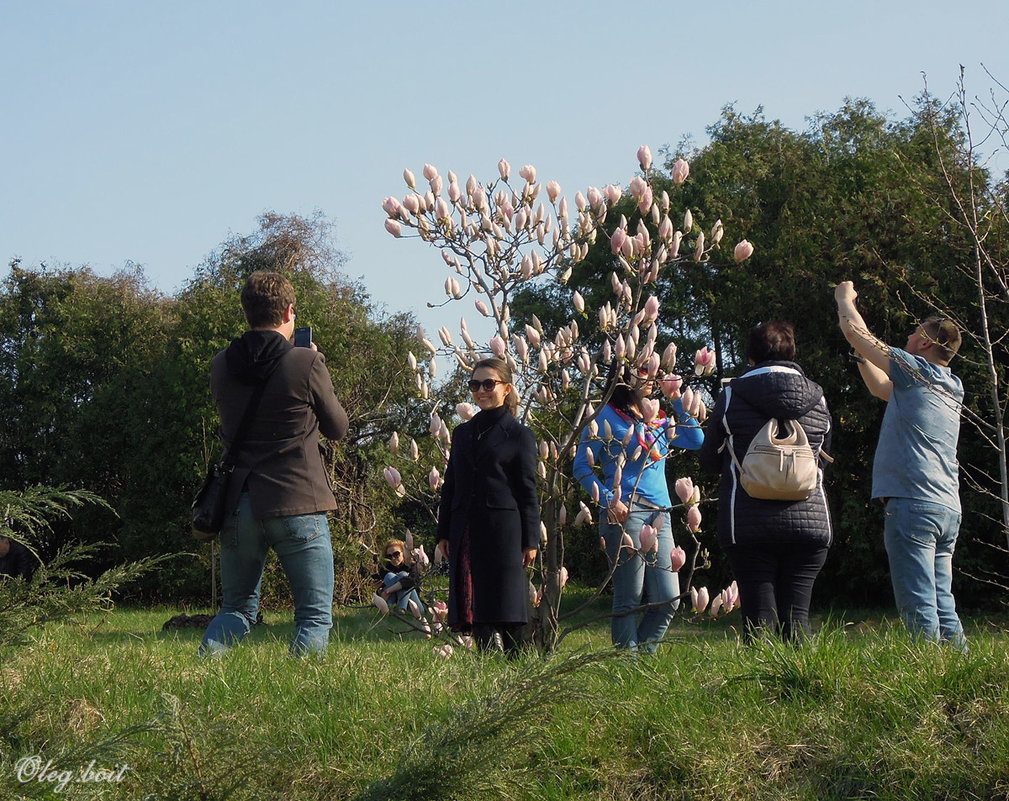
(641, 576)
(402, 598)
(920, 537)
(306, 553)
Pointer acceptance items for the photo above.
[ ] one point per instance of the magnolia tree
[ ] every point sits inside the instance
(976, 204)
(495, 238)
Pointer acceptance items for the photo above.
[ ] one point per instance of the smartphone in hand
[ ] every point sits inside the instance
(303, 337)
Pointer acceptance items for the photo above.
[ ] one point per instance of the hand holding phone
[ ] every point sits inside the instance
(303, 337)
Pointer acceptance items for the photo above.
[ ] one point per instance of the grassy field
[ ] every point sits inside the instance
(858, 713)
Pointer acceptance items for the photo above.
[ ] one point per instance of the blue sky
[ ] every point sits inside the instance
(149, 132)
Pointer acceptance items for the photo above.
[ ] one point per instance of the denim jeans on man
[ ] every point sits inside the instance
(641, 577)
(306, 553)
(920, 537)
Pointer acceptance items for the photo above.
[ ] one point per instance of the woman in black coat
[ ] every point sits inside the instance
(488, 521)
(776, 549)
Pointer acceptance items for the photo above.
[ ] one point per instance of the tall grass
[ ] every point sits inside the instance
(845, 716)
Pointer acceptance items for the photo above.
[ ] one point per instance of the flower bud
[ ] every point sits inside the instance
(408, 177)
(430, 172)
(393, 227)
(645, 157)
(680, 171)
(742, 251)
(528, 171)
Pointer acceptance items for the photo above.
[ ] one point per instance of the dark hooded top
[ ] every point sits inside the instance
(280, 459)
(770, 389)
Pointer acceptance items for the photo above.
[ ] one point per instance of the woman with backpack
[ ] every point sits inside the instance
(775, 547)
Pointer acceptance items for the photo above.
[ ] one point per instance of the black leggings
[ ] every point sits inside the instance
(775, 586)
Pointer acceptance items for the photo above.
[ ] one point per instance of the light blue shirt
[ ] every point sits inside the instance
(916, 452)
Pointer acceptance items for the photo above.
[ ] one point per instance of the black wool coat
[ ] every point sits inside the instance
(770, 389)
(490, 490)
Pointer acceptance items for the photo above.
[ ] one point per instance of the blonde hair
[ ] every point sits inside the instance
(407, 558)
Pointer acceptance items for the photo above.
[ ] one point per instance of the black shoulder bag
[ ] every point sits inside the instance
(208, 505)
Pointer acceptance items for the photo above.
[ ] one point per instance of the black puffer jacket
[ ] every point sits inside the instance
(770, 389)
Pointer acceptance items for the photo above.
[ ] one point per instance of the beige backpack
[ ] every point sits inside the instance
(778, 465)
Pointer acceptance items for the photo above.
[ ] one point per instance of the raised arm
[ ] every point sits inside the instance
(875, 370)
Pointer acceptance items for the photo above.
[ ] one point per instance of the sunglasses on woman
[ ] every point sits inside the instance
(487, 385)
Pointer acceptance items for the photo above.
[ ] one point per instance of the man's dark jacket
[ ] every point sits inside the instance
(770, 389)
(279, 462)
(490, 489)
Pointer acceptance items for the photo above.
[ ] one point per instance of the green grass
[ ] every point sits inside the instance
(858, 713)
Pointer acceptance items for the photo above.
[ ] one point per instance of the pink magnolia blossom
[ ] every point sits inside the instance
(645, 157)
(594, 196)
(439, 556)
(645, 201)
(638, 187)
(716, 605)
(680, 171)
(465, 410)
(394, 442)
(687, 397)
(649, 409)
(533, 336)
(408, 177)
(732, 600)
(437, 184)
(414, 450)
(420, 557)
(742, 251)
(688, 222)
(613, 193)
(497, 345)
(594, 493)
(684, 488)
(430, 172)
(528, 171)
(677, 558)
(392, 477)
(626, 541)
(670, 384)
(651, 309)
(699, 247)
(674, 246)
(717, 231)
(482, 308)
(704, 361)
(434, 479)
(578, 301)
(408, 540)
(440, 610)
(616, 240)
(696, 497)
(669, 356)
(391, 206)
(562, 515)
(665, 231)
(442, 211)
(699, 598)
(393, 227)
(553, 191)
(693, 519)
(412, 203)
(584, 515)
(648, 538)
(504, 168)
(562, 576)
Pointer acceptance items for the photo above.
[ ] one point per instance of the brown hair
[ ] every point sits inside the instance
(500, 366)
(265, 297)
(944, 335)
(773, 341)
